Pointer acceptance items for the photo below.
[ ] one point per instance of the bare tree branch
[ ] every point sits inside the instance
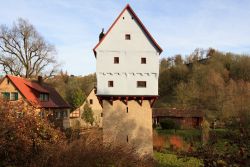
(24, 52)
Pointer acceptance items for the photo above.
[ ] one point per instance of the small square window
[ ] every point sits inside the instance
(127, 37)
(116, 60)
(91, 101)
(6, 95)
(141, 84)
(110, 84)
(143, 60)
(13, 96)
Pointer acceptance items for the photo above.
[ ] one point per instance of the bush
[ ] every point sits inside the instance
(25, 138)
(90, 152)
(169, 124)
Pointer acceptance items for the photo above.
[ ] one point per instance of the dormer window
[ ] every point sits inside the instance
(116, 60)
(44, 97)
(127, 37)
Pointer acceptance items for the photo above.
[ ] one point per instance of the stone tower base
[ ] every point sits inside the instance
(128, 125)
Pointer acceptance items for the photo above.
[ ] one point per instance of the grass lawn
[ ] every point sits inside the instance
(171, 160)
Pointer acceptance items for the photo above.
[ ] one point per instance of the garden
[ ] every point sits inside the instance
(186, 147)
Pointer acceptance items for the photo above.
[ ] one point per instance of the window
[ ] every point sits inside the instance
(91, 101)
(44, 97)
(65, 114)
(101, 114)
(14, 96)
(8, 81)
(61, 114)
(116, 60)
(127, 109)
(110, 84)
(143, 60)
(6, 95)
(141, 84)
(127, 37)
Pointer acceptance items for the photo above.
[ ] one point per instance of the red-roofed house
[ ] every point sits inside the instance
(44, 98)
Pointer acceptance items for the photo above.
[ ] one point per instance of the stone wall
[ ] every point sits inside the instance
(129, 124)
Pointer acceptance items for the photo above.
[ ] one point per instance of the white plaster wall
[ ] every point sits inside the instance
(129, 70)
(126, 84)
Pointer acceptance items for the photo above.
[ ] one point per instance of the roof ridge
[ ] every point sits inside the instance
(140, 23)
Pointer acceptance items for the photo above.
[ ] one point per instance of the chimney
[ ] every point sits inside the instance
(40, 79)
(101, 34)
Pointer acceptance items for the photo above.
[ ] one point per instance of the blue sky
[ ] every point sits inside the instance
(179, 26)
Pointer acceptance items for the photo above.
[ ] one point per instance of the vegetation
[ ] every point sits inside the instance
(24, 52)
(169, 124)
(27, 140)
(87, 114)
(171, 160)
(217, 83)
(73, 89)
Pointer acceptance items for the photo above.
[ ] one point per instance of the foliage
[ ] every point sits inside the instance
(25, 138)
(217, 84)
(87, 114)
(75, 96)
(169, 124)
(171, 160)
(24, 52)
(227, 147)
(73, 89)
(187, 134)
(28, 140)
(89, 151)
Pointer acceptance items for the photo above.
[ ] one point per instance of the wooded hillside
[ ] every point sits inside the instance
(218, 83)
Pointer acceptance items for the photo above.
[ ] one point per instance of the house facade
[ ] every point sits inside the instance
(45, 99)
(127, 70)
(76, 115)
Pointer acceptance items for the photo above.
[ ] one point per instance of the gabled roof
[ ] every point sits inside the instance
(139, 22)
(32, 89)
(165, 112)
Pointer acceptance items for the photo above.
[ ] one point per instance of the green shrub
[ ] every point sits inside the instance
(169, 124)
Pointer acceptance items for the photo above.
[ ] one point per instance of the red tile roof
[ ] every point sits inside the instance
(140, 24)
(32, 89)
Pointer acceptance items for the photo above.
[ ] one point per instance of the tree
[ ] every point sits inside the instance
(24, 52)
(87, 114)
(75, 96)
(26, 139)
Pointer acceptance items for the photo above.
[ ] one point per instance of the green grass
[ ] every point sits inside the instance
(171, 160)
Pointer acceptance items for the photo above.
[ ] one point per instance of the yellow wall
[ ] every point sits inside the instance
(5, 87)
(96, 108)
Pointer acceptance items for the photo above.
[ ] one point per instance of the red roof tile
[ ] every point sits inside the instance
(32, 89)
(140, 24)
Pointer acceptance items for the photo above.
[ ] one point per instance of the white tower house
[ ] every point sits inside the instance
(127, 69)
